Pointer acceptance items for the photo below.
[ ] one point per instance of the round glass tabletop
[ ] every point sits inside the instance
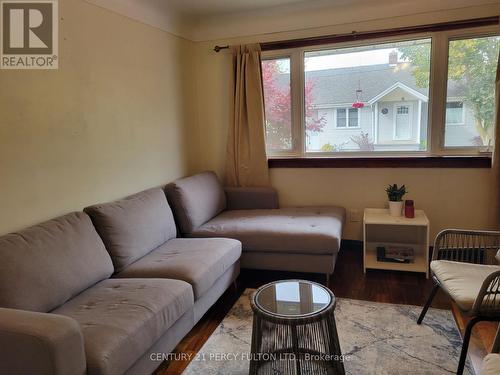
(292, 298)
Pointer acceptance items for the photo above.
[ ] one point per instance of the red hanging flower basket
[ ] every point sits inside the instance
(358, 105)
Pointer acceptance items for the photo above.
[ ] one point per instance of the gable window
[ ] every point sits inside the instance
(455, 113)
(396, 96)
(346, 118)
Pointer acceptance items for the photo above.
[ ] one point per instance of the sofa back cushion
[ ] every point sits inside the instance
(134, 226)
(195, 200)
(44, 266)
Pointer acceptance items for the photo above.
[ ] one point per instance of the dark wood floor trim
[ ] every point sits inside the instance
(384, 162)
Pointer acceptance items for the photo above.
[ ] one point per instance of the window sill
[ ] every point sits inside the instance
(383, 162)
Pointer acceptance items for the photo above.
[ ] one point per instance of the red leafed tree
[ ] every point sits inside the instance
(278, 106)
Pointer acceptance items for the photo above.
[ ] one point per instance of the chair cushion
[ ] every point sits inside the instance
(195, 200)
(44, 266)
(199, 262)
(462, 281)
(122, 318)
(133, 226)
(305, 230)
(491, 365)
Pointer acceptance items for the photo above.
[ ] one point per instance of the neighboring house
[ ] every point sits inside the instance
(395, 110)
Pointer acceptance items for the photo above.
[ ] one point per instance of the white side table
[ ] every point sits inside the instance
(381, 229)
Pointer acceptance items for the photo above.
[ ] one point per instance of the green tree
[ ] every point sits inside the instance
(472, 67)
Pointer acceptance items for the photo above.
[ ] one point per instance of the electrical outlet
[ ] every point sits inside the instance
(354, 215)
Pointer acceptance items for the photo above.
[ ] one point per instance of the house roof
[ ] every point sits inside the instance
(334, 86)
(402, 86)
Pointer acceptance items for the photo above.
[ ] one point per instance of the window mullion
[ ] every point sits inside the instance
(437, 102)
(297, 76)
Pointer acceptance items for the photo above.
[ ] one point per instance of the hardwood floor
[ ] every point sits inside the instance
(348, 281)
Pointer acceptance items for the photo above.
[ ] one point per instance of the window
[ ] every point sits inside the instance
(347, 118)
(378, 85)
(376, 97)
(278, 105)
(472, 65)
(455, 113)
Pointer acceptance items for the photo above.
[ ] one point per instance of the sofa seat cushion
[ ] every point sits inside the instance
(121, 319)
(44, 266)
(200, 262)
(303, 230)
(491, 364)
(462, 281)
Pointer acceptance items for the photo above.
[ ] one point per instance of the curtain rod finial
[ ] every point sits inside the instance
(218, 48)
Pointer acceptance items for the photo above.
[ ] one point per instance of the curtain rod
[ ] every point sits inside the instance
(354, 35)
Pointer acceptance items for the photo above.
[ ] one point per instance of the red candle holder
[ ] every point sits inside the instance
(409, 209)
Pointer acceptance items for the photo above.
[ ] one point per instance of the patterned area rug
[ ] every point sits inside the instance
(377, 338)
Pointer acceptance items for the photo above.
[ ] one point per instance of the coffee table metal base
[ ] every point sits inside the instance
(295, 346)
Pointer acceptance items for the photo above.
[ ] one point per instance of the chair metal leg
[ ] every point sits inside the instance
(465, 345)
(428, 304)
(496, 344)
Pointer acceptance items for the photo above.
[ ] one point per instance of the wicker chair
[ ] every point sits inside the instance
(465, 265)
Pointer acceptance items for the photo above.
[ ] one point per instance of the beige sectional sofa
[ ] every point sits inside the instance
(97, 292)
(305, 239)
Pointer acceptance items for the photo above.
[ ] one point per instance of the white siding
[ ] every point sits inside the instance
(340, 137)
(463, 134)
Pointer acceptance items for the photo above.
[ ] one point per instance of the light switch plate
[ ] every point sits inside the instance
(354, 215)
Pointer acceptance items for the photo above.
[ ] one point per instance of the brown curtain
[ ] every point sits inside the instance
(496, 151)
(246, 148)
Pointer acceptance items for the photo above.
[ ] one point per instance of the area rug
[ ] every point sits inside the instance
(376, 338)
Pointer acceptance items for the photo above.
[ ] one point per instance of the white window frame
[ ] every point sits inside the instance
(347, 127)
(437, 94)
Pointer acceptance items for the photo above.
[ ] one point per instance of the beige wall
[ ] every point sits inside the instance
(133, 107)
(108, 123)
(451, 197)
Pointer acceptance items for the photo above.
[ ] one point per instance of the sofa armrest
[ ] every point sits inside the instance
(251, 198)
(40, 343)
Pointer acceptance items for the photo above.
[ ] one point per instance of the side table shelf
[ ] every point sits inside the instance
(381, 229)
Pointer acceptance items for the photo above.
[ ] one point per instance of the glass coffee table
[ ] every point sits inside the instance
(294, 331)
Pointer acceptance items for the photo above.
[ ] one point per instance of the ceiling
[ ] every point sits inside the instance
(199, 8)
(203, 20)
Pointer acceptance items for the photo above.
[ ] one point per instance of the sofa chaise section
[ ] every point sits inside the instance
(305, 239)
(61, 314)
(140, 233)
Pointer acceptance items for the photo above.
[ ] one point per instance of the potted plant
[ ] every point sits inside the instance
(395, 195)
